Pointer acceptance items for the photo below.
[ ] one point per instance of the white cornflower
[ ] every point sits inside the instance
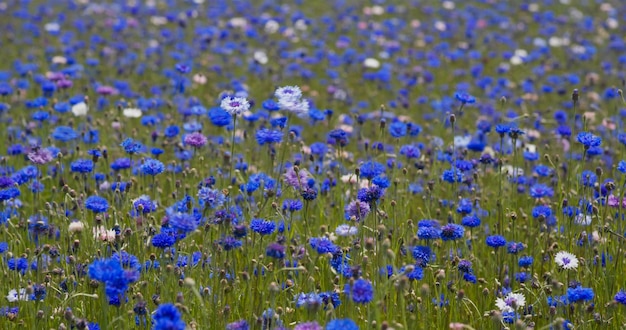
(346, 230)
(288, 93)
(299, 107)
(235, 105)
(132, 113)
(566, 260)
(14, 296)
(76, 227)
(511, 302)
(80, 109)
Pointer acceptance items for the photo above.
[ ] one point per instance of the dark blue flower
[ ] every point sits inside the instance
(167, 317)
(588, 140)
(451, 232)
(263, 227)
(96, 204)
(465, 98)
(323, 245)
(82, 166)
(495, 241)
(163, 240)
(579, 293)
(362, 291)
(342, 324)
(371, 169)
(152, 167)
(268, 136)
(131, 146)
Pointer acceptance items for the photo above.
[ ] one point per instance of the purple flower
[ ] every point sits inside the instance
(40, 156)
(195, 140)
(357, 209)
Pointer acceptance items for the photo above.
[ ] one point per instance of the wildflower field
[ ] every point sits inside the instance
(312, 165)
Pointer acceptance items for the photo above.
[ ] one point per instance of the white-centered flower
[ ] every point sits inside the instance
(235, 105)
(566, 260)
(511, 302)
(14, 296)
(132, 113)
(80, 109)
(288, 93)
(76, 227)
(346, 230)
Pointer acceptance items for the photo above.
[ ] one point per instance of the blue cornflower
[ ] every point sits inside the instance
(275, 250)
(514, 247)
(503, 129)
(451, 232)
(152, 167)
(515, 133)
(579, 294)
(121, 164)
(370, 194)
(211, 198)
(371, 169)
(452, 175)
(525, 261)
(621, 166)
(144, 204)
(465, 98)
(263, 227)
(342, 324)
(9, 193)
(381, 181)
(228, 243)
(470, 221)
(182, 222)
(428, 233)
(362, 291)
(588, 178)
(268, 136)
(167, 317)
(82, 166)
(131, 146)
(540, 190)
(422, 255)
(163, 240)
(588, 140)
(292, 205)
(620, 297)
(465, 206)
(398, 129)
(64, 134)
(414, 275)
(96, 204)
(410, 151)
(323, 245)
(495, 241)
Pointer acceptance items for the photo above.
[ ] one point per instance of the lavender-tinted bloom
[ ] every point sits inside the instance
(362, 291)
(40, 156)
(195, 140)
(296, 180)
(357, 209)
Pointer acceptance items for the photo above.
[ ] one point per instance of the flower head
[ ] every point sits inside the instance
(566, 260)
(511, 302)
(235, 106)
